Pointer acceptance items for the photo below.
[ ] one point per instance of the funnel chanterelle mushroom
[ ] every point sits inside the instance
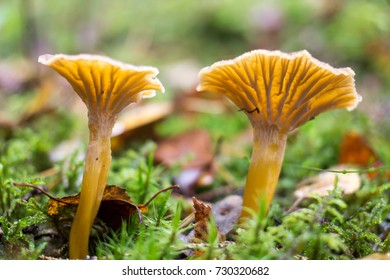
(106, 86)
(278, 92)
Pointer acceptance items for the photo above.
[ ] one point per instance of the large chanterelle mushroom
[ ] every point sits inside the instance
(106, 86)
(278, 92)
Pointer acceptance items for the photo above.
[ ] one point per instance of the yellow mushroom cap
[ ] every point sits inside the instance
(281, 89)
(104, 84)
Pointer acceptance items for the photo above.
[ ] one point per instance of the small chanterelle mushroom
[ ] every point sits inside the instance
(278, 92)
(106, 86)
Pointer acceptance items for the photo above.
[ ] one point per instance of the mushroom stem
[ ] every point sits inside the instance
(97, 165)
(267, 157)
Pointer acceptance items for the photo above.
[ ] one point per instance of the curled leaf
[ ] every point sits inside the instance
(116, 205)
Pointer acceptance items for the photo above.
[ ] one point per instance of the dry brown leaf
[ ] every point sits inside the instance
(355, 149)
(192, 149)
(202, 218)
(194, 152)
(324, 182)
(116, 205)
(203, 213)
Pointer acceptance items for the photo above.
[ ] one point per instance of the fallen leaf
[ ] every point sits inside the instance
(137, 121)
(226, 213)
(324, 182)
(192, 149)
(354, 149)
(202, 218)
(193, 152)
(203, 215)
(116, 205)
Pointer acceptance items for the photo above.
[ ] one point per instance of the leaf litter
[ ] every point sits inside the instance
(115, 208)
(193, 152)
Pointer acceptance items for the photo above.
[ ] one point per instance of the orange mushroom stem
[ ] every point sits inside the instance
(106, 86)
(278, 92)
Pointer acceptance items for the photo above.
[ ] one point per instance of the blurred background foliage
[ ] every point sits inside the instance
(152, 30)
(341, 32)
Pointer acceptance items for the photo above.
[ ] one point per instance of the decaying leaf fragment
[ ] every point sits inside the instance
(203, 215)
(115, 208)
(191, 149)
(194, 152)
(354, 149)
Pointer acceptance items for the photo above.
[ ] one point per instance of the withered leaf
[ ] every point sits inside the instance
(203, 214)
(55, 205)
(116, 205)
(354, 149)
(202, 217)
(193, 150)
